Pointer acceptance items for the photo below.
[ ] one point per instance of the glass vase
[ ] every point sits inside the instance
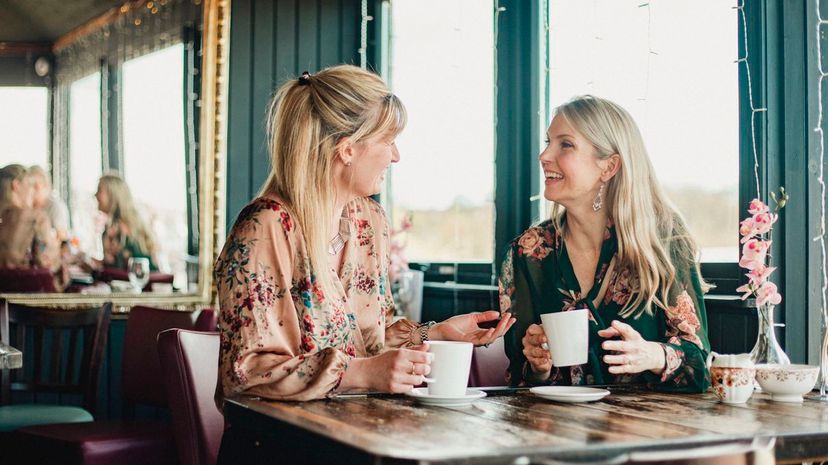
(823, 366)
(767, 348)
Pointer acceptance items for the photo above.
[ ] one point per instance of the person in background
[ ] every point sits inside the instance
(45, 198)
(27, 239)
(615, 246)
(125, 235)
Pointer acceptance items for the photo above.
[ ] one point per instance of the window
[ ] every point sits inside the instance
(442, 67)
(85, 163)
(24, 128)
(673, 66)
(153, 131)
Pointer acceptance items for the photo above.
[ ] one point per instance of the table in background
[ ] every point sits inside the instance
(510, 424)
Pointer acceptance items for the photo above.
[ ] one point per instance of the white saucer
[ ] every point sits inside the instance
(569, 393)
(422, 396)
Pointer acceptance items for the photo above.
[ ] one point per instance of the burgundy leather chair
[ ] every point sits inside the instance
(122, 441)
(489, 364)
(190, 363)
(27, 280)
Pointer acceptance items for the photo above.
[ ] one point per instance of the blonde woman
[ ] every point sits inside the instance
(306, 306)
(614, 246)
(125, 235)
(27, 239)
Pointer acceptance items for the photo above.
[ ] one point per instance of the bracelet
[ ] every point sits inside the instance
(423, 330)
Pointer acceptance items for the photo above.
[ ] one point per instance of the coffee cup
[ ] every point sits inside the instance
(450, 367)
(732, 377)
(567, 335)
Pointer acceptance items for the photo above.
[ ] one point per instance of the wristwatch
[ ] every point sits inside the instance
(423, 330)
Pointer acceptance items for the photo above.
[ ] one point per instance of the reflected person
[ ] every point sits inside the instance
(615, 246)
(27, 239)
(126, 234)
(44, 197)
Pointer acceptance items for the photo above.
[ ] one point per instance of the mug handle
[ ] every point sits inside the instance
(710, 358)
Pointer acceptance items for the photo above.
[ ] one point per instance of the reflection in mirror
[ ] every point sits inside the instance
(103, 116)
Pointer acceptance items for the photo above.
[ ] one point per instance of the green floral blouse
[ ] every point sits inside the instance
(537, 277)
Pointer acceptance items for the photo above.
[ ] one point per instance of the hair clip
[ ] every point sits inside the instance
(304, 79)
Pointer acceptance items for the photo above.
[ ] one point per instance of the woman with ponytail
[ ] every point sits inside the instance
(615, 246)
(306, 306)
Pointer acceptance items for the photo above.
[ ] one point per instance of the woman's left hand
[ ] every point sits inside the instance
(465, 328)
(632, 354)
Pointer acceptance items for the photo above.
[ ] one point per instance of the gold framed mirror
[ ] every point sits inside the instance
(205, 169)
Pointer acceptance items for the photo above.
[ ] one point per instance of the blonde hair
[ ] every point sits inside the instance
(9, 174)
(122, 210)
(653, 240)
(307, 118)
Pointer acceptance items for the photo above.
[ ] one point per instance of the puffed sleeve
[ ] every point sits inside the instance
(269, 347)
(685, 342)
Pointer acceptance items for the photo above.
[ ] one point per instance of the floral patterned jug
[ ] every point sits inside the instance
(732, 376)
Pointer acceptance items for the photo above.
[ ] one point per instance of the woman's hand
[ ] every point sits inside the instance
(633, 354)
(397, 370)
(464, 328)
(539, 358)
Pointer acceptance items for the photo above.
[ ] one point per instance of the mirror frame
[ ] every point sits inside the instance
(212, 162)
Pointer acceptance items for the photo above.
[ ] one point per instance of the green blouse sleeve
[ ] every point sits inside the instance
(684, 329)
(516, 298)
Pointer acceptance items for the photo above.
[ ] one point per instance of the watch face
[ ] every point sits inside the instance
(42, 66)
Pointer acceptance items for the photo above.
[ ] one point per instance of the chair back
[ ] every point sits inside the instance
(141, 381)
(27, 280)
(62, 350)
(190, 363)
(489, 365)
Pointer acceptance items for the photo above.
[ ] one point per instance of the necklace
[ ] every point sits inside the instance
(338, 242)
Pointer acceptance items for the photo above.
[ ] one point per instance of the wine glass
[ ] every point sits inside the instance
(139, 271)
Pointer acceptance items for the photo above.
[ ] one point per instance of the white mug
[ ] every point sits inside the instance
(449, 368)
(567, 335)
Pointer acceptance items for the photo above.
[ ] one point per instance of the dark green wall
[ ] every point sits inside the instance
(271, 41)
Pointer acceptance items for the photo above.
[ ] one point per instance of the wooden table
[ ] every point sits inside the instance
(516, 427)
(10, 357)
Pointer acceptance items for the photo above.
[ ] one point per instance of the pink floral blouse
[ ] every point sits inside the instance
(282, 337)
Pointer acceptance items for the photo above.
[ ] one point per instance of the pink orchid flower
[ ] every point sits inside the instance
(746, 229)
(754, 253)
(760, 274)
(767, 294)
(757, 206)
(746, 290)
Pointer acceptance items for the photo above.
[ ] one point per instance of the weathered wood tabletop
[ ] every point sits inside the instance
(514, 426)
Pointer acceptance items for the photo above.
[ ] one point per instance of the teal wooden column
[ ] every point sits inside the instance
(520, 116)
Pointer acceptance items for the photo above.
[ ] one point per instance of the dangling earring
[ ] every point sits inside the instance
(599, 199)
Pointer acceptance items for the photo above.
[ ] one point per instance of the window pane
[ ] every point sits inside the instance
(672, 65)
(85, 163)
(442, 68)
(24, 127)
(154, 158)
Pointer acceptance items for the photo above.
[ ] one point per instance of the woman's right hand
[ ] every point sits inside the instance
(397, 370)
(538, 357)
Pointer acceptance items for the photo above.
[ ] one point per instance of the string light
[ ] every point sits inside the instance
(823, 359)
(753, 109)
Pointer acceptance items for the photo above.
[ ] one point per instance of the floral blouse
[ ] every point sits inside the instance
(282, 337)
(119, 246)
(27, 240)
(537, 277)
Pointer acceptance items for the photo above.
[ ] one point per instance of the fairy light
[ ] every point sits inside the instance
(823, 394)
(363, 34)
(753, 109)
